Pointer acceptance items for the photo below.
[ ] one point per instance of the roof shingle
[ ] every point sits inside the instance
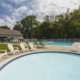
(10, 32)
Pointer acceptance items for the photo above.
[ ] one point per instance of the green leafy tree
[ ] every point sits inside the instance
(4, 27)
(61, 26)
(27, 25)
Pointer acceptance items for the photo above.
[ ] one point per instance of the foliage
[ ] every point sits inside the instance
(5, 47)
(4, 27)
(53, 27)
(27, 25)
(21, 39)
(7, 39)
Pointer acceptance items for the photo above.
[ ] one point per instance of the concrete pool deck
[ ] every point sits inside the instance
(7, 58)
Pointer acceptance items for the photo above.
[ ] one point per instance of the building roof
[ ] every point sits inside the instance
(10, 32)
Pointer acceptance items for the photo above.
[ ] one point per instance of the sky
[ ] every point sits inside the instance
(15, 10)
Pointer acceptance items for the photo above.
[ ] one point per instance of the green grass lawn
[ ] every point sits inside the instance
(2, 52)
(18, 46)
(27, 47)
(4, 47)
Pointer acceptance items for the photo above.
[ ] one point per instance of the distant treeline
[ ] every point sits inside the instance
(61, 26)
(4, 27)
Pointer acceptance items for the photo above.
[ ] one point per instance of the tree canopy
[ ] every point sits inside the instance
(27, 25)
(4, 27)
(60, 26)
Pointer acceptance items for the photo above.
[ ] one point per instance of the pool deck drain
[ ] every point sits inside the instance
(46, 48)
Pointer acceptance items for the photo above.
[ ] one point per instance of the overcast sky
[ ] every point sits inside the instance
(14, 10)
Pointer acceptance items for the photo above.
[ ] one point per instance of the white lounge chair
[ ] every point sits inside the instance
(23, 46)
(75, 46)
(3, 54)
(10, 46)
(32, 46)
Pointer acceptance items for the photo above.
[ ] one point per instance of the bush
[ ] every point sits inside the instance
(34, 40)
(7, 39)
(21, 39)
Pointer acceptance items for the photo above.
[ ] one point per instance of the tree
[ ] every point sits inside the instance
(27, 25)
(45, 29)
(4, 27)
(62, 26)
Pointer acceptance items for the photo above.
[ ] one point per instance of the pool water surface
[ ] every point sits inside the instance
(59, 43)
(43, 66)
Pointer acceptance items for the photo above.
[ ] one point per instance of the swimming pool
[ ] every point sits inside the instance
(43, 66)
(59, 43)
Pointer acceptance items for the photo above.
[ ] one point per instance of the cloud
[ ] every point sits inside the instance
(40, 8)
(8, 21)
(16, 15)
(19, 11)
(49, 6)
(7, 6)
(2, 22)
(18, 1)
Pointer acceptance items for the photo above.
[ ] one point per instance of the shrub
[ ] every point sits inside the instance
(21, 40)
(8, 39)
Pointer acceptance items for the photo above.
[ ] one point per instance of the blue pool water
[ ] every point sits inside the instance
(59, 43)
(43, 66)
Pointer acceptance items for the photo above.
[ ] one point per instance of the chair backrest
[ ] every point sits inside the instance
(75, 46)
(31, 45)
(10, 46)
(22, 46)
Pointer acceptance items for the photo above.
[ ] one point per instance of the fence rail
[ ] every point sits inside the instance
(60, 40)
(46, 40)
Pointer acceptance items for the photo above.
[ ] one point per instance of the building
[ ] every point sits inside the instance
(13, 34)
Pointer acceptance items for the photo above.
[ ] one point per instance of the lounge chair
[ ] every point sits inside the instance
(32, 46)
(10, 46)
(3, 54)
(75, 46)
(23, 46)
